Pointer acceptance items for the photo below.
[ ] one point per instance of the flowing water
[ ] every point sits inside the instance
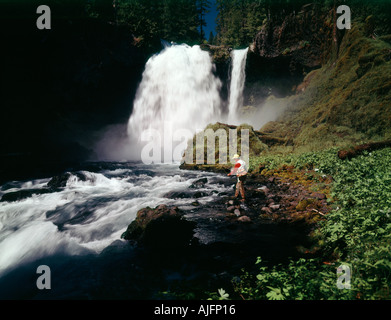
(76, 229)
(178, 92)
(238, 77)
(89, 214)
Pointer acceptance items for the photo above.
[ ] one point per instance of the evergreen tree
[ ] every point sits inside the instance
(203, 7)
(238, 21)
(211, 38)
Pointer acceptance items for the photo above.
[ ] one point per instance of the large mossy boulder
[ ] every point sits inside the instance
(161, 227)
(212, 146)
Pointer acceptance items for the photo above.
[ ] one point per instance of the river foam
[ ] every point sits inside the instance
(89, 213)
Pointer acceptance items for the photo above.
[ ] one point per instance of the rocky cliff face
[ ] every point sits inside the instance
(304, 39)
(346, 101)
(287, 48)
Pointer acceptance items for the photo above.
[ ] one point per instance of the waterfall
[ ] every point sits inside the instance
(238, 76)
(179, 95)
(178, 91)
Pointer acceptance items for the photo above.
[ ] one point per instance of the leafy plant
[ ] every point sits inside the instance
(357, 232)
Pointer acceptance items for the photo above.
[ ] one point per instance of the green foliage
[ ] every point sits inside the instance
(346, 101)
(238, 21)
(211, 38)
(359, 229)
(203, 7)
(357, 232)
(151, 20)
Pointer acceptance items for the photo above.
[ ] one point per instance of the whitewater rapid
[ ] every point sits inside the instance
(88, 214)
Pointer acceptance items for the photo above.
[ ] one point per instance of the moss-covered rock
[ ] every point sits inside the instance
(345, 102)
(201, 155)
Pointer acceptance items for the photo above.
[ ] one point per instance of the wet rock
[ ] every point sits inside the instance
(274, 207)
(59, 181)
(200, 183)
(231, 208)
(200, 194)
(161, 227)
(244, 219)
(223, 193)
(22, 194)
(179, 195)
(237, 212)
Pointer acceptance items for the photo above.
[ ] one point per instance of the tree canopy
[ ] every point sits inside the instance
(151, 20)
(238, 21)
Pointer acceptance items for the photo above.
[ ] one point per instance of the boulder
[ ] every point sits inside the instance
(200, 194)
(162, 227)
(179, 195)
(200, 183)
(59, 181)
(274, 207)
(237, 212)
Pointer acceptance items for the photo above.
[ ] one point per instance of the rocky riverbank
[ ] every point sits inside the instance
(208, 245)
(194, 239)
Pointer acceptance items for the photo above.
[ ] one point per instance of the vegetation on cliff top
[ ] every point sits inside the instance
(238, 21)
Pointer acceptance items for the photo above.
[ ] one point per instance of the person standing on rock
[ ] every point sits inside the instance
(240, 171)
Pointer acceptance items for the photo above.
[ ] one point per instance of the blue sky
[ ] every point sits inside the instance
(210, 20)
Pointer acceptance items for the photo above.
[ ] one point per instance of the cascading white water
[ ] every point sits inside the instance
(178, 96)
(86, 215)
(178, 91)
(238, 77)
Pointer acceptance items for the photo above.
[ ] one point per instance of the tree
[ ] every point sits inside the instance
(151, 20)
(202, 9)
(238, 21)
(211, 38)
